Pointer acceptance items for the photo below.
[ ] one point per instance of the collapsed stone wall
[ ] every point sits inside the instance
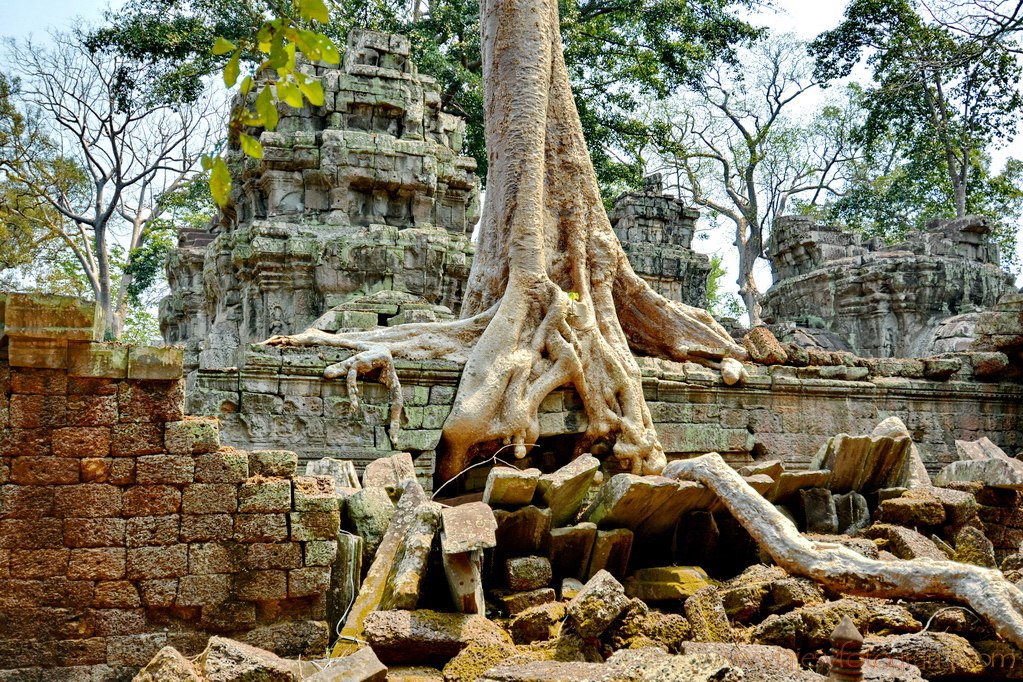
(911, 299)
(279, 398)
(126, 526)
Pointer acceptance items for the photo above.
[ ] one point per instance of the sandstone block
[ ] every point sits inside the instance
(361, 666)
(468, 527)
(427, 637)
(273, 463)
(131, 440)
(389, 473)
(465, 582)
(192, 436)
(314, 525)
(597, 605)
(341, 470)
(667, 583)
(172, 469)
(706, 613)
(819, 510)
(611, 552)
(258, 527)
(168, 666)
(510, 487)
(154, 362)
(571, 549)
(314, 493)
(563, 491)
(261, 495)
(226, 660)
(146, 563)
(523, 531)
(527, 573)
(407, 571)
(920, 510)
(369, 512)
(226, 465)
(517, 602)
(903, 542)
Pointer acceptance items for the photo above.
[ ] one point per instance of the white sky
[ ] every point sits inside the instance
(804, 18)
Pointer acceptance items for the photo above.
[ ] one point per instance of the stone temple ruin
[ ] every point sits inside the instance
(218, 510)
(912, 299)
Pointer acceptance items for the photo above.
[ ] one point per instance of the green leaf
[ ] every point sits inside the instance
(251, 146)
(207, 162)
(220, 182)
(266, 107)
(573, 295)
(309, 45)
(312, 89)
(315, 10)
(223, 46)
(232, 69)
(289, 93)
(246, 86)
(330, 52)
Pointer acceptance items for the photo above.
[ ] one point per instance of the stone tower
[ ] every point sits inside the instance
(367, 193)
(656, 232)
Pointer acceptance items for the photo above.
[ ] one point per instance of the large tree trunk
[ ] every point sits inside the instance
(550, 286)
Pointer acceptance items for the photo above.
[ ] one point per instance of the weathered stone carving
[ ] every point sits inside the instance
(656, 232)
(366, 193)
(911, 299)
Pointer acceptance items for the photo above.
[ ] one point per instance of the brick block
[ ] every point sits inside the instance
(260, 527)
(314, 493)
(151, 500)
(145, 563)
(227, 465)
(90, 386)
(164, 469)
(192, 436)
(263, 495)
(122, 471)
(116, 594)
(91, 410)
(320, 552)
(30, 533)
(97, 563)
(206, 558)
(207, 527)
(158, 593)
(26, 442)
(35, 411)
(38, 563)
(39, 381)
(209, 498)
(95, 469)
(68, 594)
(90, 651)
(132, 440)
(43, 471)
(81, 441)
(273, 463)
(97, 360)
(94, 532)
(200, 590)
(118, 621)
(159, 363)
(229, 616)
(143, 531)
(5, 562)
(88, 500)
(314, 525)
(150, 401)
(264, 556)
(134, 651)
(261, 585)
(303, 582)
(25, 502)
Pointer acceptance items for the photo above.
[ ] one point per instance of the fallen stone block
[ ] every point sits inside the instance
(570, 550)
(667, 583)
(290, 639)
(362, 666)
(563, 490)
(706, 614)
(510, 487)
(517, 602)
(536, 624)
(169, 665)
(748, 655)
(973, 547)
(938, 655)
(226, 660)
(904, 542)
(345, 576)
(570, 587)
(627, 500)
(770, 467)
(867, 463)
(853, 512)
(980, 449)
(919, 510)
(406, 574)
(475, 659)
(527, 573)
(791, 482)
(341, 470)
(427, 637)
(819, 512)
(810, 627)
(523, 531)
(468, 527)
(390, 473)
(597, 605)
(611, 552)
(464, 574)
(997, 473)
(369, 513)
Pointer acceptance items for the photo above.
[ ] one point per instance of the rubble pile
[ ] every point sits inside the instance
(574, 574)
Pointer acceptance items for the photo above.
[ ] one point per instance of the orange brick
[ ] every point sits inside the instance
(150, 401)
(38, 563)
(94, 532)
(34, 411)
(145, 563)
(39, 381)
(81, 441)
(261, 585)
(210, 498)
(88, 500)
(164, 469)
(144, 531)
(151, 500)
(26, 442)
(26, 502)
(91, 410)
(43, 470)
(131, 440)
(206, 527)
(96, 469)
(30, 534)
(97, 563)
(116, 594)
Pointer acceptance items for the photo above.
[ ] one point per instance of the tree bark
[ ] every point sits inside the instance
(984, 590)
(550, 286)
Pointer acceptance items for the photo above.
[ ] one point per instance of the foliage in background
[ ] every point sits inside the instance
(616, 52)
(721, 304)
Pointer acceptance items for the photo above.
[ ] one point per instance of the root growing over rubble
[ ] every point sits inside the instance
(552, 300)
(984, 590)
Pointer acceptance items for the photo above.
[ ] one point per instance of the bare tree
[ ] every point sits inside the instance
(735, 150)
(111, 153)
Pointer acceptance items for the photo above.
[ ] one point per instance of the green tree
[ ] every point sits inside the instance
(941, 98)
(92, 170)
(616, 51)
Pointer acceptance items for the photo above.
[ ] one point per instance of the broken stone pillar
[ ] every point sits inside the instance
(563, 490)
(468, 530)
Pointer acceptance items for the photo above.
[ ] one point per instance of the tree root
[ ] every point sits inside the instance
(984, 590)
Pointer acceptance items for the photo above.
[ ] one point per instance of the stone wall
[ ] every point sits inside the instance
(367, 193)
(125, 526)
(279, 397)
(656, 231)
(911, 299)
